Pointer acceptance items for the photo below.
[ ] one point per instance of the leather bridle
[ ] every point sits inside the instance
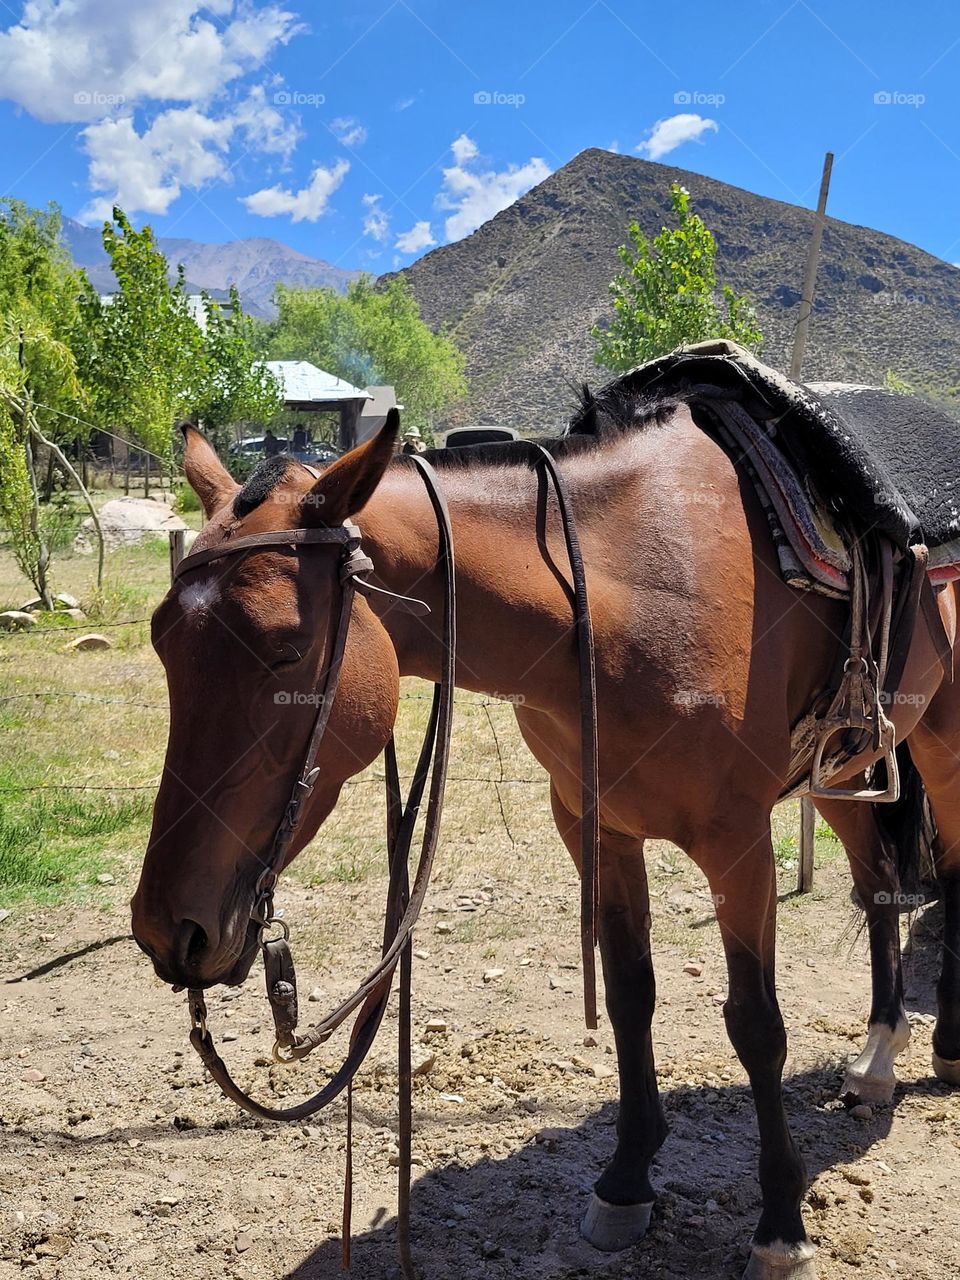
(404, 900)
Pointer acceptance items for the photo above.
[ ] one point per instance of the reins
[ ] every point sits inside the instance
(404, 899)
(589, 756)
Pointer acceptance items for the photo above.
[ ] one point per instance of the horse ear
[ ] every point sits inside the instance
(207, 476)
(349, 483)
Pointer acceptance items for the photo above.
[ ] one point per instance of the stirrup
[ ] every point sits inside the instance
(888, 741)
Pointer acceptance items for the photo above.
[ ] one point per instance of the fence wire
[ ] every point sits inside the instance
(481, 703)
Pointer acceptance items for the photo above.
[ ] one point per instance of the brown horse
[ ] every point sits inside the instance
(704, 661)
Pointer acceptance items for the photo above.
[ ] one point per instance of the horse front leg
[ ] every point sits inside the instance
(620, 1209)
(871, 1078)
(739, 864)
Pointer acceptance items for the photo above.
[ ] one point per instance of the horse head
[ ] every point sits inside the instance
(245, 640)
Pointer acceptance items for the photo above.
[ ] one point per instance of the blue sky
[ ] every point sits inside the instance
(365, 133)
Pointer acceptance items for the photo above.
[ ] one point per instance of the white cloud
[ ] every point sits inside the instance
(418, 237)
(348, 131)
(103, 64)
(305, 205)
(264, 127)
(376, 222)
(464, 149)
(403, 104)
(182, 147)
(667, 135)
(475, 196)
(76, 61)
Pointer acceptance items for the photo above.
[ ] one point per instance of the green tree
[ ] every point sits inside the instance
(370, 335)
(38, 306)
(143, 359)
(234, 386)
(41, 395)
(666, 295)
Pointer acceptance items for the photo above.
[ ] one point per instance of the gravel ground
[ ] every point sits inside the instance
(119, 1159)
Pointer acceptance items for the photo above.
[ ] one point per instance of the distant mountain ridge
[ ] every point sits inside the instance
(255, 266)
(520, 295)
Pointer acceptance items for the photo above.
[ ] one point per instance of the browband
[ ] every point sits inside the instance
(272, 538)
(347, 534)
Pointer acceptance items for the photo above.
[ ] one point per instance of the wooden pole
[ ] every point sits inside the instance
(177, 551)
(808, 834)
(808, 817)
(810, 276)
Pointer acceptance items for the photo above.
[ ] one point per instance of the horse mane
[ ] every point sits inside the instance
(261, 483)
(600, 417)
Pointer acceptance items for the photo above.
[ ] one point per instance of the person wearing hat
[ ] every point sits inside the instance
(413, 441)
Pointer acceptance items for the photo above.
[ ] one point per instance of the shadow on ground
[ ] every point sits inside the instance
(518, 1216)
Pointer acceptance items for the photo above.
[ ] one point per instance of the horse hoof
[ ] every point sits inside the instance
(867, 1089)
(611, 1227)
(779, 1261)
(946, 1069)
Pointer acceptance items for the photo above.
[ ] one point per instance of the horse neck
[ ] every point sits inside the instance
(512, 607)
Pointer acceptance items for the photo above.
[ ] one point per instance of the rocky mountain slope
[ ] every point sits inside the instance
(520, 295)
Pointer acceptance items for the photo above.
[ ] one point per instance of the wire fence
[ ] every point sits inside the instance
(463, 702)
(27, 633)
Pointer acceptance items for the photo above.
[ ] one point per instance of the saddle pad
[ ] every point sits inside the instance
(881, 460)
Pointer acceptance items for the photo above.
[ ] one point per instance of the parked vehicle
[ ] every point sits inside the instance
(460, 437)
(314, 453)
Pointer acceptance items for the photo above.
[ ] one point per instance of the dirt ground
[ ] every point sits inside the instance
(119, 1158)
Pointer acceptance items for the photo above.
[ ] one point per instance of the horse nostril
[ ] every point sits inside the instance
(192, 943)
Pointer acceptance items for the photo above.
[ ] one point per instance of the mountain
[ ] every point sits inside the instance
(521, 293)
(254, 266)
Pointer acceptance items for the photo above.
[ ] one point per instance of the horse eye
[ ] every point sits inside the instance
(287, 656)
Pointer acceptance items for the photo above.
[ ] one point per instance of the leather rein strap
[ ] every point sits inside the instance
(589, 756)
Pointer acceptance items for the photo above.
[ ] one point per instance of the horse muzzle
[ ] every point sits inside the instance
(185, 953)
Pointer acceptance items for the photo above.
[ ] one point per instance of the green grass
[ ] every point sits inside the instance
(54, 843)
(785, 850)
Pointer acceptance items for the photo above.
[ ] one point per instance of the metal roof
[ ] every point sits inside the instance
(302, 382)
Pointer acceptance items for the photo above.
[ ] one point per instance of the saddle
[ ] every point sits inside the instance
(860, 487)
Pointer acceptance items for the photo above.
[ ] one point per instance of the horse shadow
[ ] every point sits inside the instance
(518, 1215)
(922, 959)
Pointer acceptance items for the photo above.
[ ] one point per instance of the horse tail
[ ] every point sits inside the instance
(908, 831)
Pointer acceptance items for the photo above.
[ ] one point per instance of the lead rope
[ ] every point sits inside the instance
(589, 762)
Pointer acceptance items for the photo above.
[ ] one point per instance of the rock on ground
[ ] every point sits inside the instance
(128, 521)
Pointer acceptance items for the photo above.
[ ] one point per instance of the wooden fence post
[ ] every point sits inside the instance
(177, 550)
(808, 828)
(808, 815)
